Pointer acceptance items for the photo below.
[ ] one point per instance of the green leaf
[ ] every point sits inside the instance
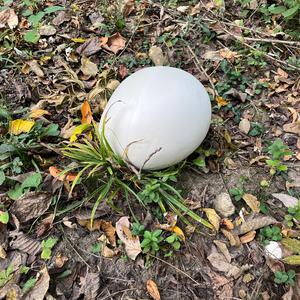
(32, 181)
(51, 130)
(4, 217)
(176, 245)
(36, 18)
(200, 161)
(49, 243)
(291, 11)
(292, 260)
(2, 177)
(276, 9)
(170, 239)
(24, 270)
(6, 148)
(52, 9)
(46, 253)
(29, 284)
(96, 248)
(15, 193)
(32, 36)
(27, 12)
(291, 244)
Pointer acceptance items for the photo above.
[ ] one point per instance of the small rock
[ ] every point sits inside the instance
(47, 30)
(224, 205)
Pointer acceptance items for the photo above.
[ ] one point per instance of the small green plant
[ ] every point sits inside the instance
(287, 278)
(151, 241)
(269, 233)
(97, 247)
(237, 193)
(137, 228)
(174, 242)
(6, 275)
(277, 150)
(47, 246)
(293, 215)
(29, 284)
(257, 129)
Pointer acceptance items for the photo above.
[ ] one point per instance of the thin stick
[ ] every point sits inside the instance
(201, 69)
(178, 270)
(118, 292)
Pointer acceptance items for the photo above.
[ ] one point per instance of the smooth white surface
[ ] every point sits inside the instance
(157, 107)
(273, 250)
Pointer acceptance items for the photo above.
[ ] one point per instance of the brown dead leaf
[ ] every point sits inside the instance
(244, 126)
(60, 259)
(287, 200)
(107, 252)
(114, 43)
(86, 113)
(153, 290)
(228, 54)
(37, 113)
(212, 55)
(253, 223)
(228, 224)
(8, 18)
(128, 7)
(237, 94)
(2, 253)
(67, 130)
(88, 68)
(109, 231)
(123, 71)
(233, 238)
(90, 47)
(157, 56)
(35, 68)
(252, 202)
(39, 290)
(132, 244)
(45, 225)
(31, 205)
(213, 217)
(294, 113)
(248, 237)
(282, 73)
(87, 224)
(55, 172)
(223, 249)
(292, 127)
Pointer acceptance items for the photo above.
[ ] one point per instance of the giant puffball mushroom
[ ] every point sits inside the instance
(157, 117)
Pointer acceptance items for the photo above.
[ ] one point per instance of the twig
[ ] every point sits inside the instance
(294, 43)
(178, 270)
(201, 69)
(118, 292)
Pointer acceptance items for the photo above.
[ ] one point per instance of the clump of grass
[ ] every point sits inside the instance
(96, 158)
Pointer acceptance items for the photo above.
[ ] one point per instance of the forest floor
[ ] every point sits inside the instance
(62, 59)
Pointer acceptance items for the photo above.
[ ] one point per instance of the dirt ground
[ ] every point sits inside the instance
(250, 69)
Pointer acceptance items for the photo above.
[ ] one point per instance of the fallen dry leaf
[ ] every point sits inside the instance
(252, 202)
(109, 231)
(128, 7)
(88, 68)
(254, 223)
(157, 56)
(86, 113)
(90, 47)
(114, 43)
(292, 127)
(228, 224)
(67, 130)
(287, 200)
(19, 126)
(35, 68)
(39, 290)
(212, 55)
(233, 238)
(45, 225)
(213, 217)
(228, 54)
(60, 259)
(244, 126)
(153, 290)
(55, 172)
(37, 113)
(248, 237)
(132, 244)
(25, 243)
(221, 101)
(2, 253)
(223, 249)
(8, 18)
(96, 225)
(31, 205)
(237, 94)
(123, 71)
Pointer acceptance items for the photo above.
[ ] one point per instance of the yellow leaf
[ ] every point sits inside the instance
(292, 260)
(78, 130)
(252, 202)
(292, 245)
(78, 40)
(213, 217)
(20, 126)
(221, 101)
(37, 113)
(179, 232)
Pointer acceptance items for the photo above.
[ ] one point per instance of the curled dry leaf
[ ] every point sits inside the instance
(292, 127)
(8, 18)
(223, 249)
(39, 290)
(254, 223)
(252, 202)
(213, 217)
(248, 237)
(233, 238)
(128, 7)
(35, 68)
(157, 56)
(228, 224)
(86, 113)
(24, 243)
(132, 244)
(114, 43)
(31, 205)
(287, 200)
(60, 260)
(90, 47)
(88, 68)
(56, 173)
(153, 290)
(37, 113)
(19, 126)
